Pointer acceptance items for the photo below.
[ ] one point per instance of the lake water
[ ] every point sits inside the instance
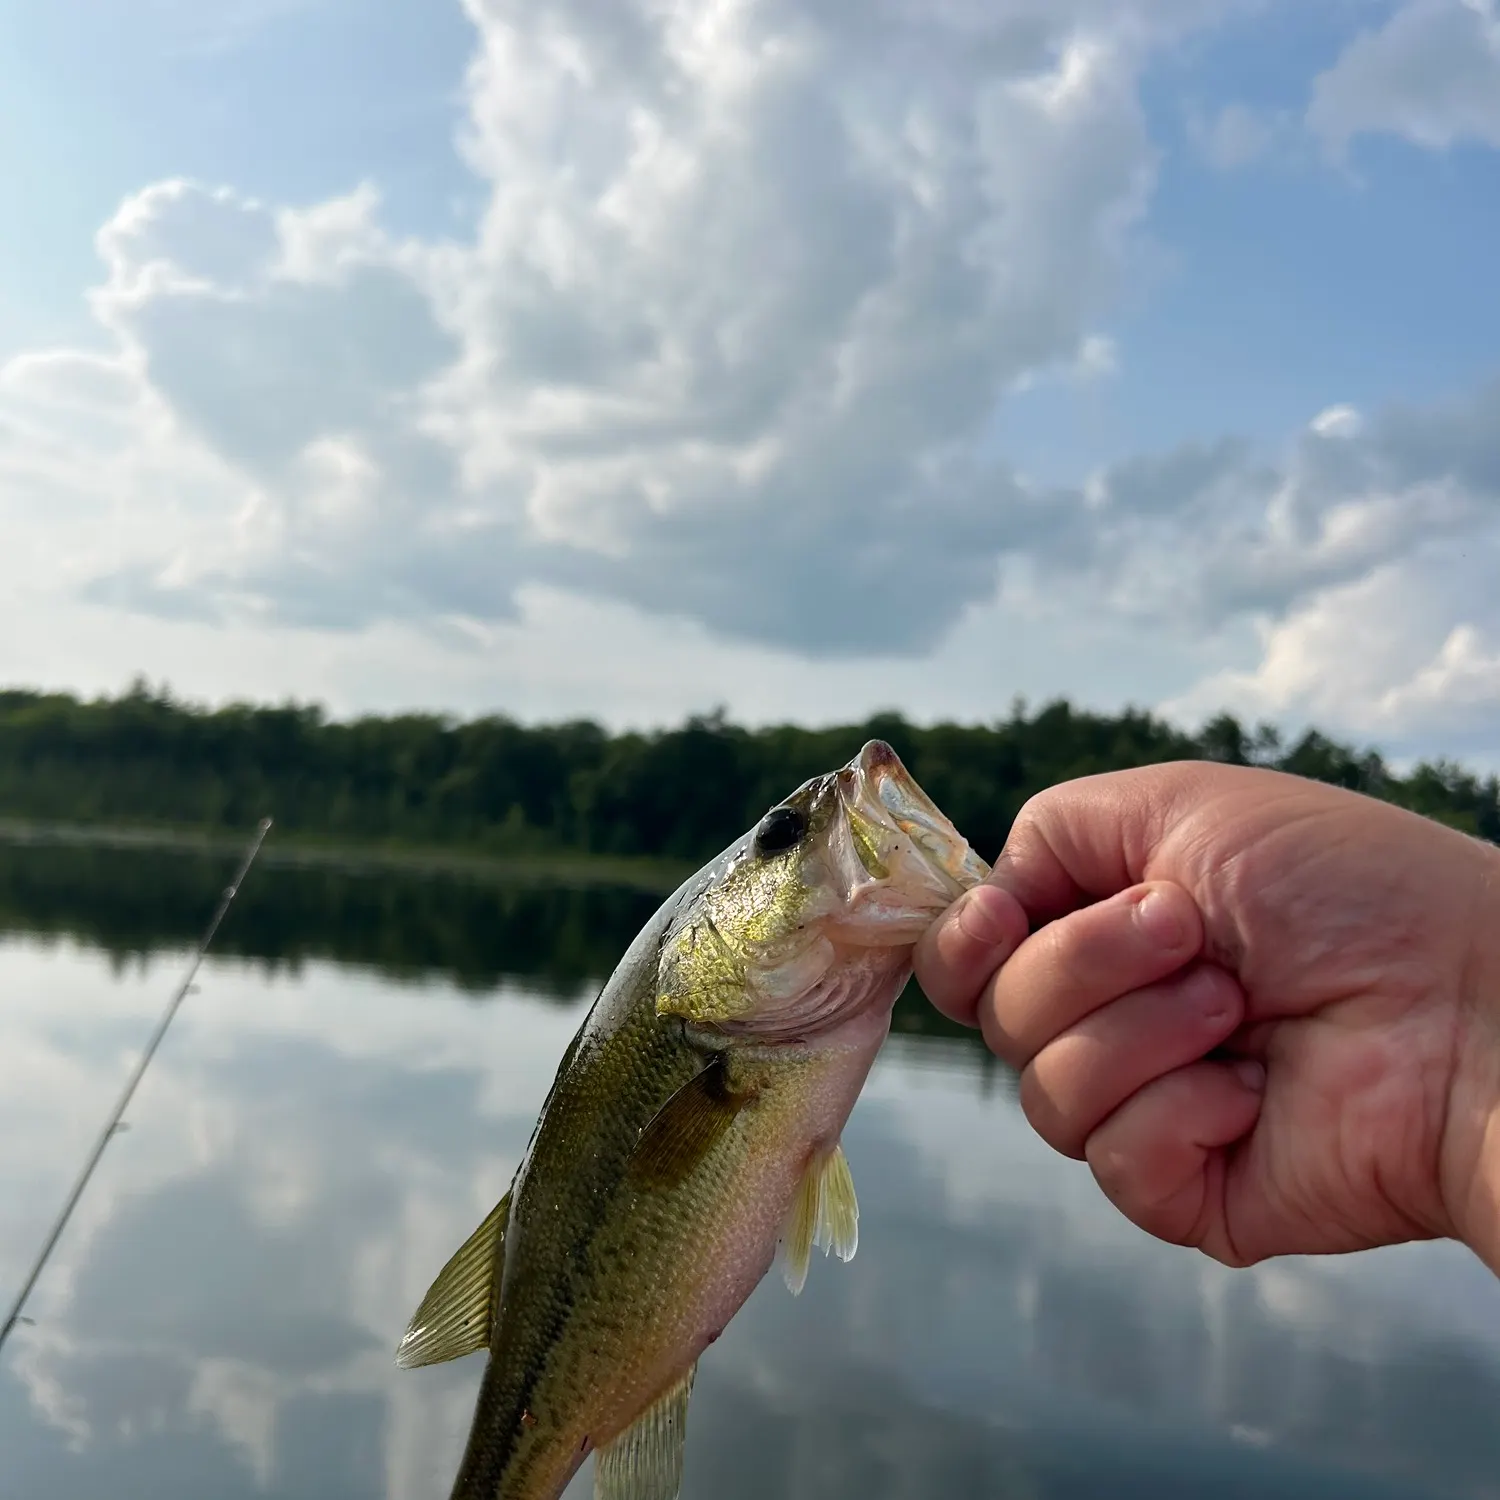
(348, 1094)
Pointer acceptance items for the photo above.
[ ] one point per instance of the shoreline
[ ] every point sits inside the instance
(657, 877)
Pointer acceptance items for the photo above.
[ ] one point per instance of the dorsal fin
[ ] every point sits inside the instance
(457, 1313)
(645, 1461)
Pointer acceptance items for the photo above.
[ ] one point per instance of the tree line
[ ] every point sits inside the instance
(493, 785)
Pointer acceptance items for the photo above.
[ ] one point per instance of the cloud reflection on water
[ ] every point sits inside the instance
(309, 1148)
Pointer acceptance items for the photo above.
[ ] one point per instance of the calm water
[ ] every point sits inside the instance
(349, 1094)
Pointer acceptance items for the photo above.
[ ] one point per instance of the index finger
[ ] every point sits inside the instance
(1071, 845)
(957, 956)
(1081, 841)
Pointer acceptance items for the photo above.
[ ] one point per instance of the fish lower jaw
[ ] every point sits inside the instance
(851, 1000)
(859, 1033)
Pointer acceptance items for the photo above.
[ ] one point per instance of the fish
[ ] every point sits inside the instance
(691, 1138)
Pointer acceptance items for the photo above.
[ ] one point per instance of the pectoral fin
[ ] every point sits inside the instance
(824, 1213)
(645, 1461)
(685, 1129)
(457, 1313)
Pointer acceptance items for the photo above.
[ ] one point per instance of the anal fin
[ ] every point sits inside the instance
(824, 1214)
(457, 1314)
(645, 1461)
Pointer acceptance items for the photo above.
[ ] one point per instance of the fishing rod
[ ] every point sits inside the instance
(112, 1125)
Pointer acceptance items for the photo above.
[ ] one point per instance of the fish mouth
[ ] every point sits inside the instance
(881, 796)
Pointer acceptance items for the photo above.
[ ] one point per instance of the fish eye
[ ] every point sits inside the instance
(779, 830)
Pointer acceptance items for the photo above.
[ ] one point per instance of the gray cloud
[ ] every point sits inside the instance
(1216, 531)
(888, 577)
(261, 375)
(1431, 74)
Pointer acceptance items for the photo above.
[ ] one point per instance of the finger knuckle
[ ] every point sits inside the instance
(1033, 812)
(1060, 947)
(1078, 951)
(1114, 1171)
(1046, 1115)
(999, 1032)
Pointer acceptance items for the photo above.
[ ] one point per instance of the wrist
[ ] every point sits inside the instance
(1471, 1165)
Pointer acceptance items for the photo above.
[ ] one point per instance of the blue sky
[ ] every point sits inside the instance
(1290, 282)
(625, 359)
(295, 101)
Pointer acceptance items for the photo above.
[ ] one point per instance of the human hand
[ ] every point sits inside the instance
(1265, 1011)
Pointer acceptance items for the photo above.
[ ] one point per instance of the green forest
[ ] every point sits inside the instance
(498, 787)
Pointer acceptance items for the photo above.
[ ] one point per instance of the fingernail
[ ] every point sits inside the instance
(980, 919)
(1159, 921)
(1251, 1073)
(1206, 991)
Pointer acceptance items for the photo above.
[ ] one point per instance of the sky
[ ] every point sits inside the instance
(631, 358)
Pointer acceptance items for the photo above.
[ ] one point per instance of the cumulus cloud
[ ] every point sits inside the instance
(720, 361)
(1430, 74)
(1238, 533)
(305, 423)
(1360, 559)
(750, 283)
(1381, 655)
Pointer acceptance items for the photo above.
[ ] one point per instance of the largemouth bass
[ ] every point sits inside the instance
(692, 1131)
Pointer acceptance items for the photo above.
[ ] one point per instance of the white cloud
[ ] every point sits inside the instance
(751, 281)
(1430, 74)
(1337, 421)
(765, 316)
(298, 436)
(1364, 557)
(1235, 135)
(1097, 357)
(701, 413)
(1464, 674)
(1380, 656)
(1253, 535)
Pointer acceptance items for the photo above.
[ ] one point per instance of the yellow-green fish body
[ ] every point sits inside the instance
(693, 1128)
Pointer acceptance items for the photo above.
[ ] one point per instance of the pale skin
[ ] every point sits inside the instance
(1265, 1011)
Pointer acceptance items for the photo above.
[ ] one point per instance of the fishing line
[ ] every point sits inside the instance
(113, 1123)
